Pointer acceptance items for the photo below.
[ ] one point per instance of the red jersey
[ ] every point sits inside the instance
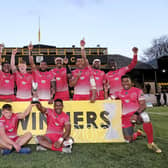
(24, 85)
(6, 83)
(130, 99)
(10, 125)
(56, 122)
(61, 79)
(82, 86)
(44, 83)
(114, 77)
(100, 79)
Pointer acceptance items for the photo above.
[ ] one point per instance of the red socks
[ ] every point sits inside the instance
(149, 131)
(135, 135)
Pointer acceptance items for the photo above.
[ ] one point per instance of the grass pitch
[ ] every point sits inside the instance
(135, 155)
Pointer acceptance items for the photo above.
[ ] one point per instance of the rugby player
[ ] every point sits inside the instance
(9, 140)
(83, 79)
(6, 80)
(133, 112)
(23, 79)
(44, 79)
(57, 137)
(114, 75)
(61, 75)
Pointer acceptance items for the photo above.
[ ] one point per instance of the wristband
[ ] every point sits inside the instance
(61, 139)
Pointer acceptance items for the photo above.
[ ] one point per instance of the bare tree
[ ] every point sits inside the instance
(159, 48)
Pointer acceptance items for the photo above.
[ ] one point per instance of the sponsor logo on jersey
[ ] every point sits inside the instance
(58, 78)
(23, 82)
(6, 81)
(116, 78)
(43, 81)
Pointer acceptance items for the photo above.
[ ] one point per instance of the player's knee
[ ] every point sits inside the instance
(145, 117)
(28, 135)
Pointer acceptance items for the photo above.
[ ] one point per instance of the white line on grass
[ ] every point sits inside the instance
(159, 113)
(165, 138)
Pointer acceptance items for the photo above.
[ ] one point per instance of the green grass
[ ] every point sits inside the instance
(102, 155)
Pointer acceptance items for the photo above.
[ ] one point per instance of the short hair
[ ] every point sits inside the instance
(58, 100)
(7, 107)
(125, 76)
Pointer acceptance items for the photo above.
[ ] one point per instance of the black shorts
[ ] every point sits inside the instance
(128, 131)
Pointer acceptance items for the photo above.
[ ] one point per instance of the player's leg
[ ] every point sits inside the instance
(137, 134)
(22, 140)
(148, 128)
(4, 145)
(5, 148)
(46, 141)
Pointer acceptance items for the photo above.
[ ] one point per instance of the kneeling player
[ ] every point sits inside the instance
(134, 104)
(56, 138)
(9, 139)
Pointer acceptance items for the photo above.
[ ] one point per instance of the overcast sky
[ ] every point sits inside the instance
(116, 24)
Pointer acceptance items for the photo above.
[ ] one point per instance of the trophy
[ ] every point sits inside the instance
(35, 98)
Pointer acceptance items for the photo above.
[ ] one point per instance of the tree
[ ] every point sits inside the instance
(159, 48)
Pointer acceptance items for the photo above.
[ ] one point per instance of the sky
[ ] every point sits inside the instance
(116, 24)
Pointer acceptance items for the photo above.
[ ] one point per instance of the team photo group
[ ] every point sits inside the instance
(86, 82)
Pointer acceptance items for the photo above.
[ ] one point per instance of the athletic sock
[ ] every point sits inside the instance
(149, 131)
(135, 135)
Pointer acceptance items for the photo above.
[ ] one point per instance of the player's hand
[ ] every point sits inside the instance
(135, 50)
(134, 119)
(78, 74)
(50, 101)
(17, 147)
(30, 47)
(65, 60)
(82, 43)
(92, 100)
(106, 87)
(57, 144)
(14, 51)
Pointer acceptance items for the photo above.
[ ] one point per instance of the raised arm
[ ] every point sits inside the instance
(25, 113)
(13, 66)
(83, 52)
(134, 60)
(31, 60)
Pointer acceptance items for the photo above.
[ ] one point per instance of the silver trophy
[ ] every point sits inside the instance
(35, 98)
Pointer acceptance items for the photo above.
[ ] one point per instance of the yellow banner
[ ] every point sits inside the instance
(90, 122)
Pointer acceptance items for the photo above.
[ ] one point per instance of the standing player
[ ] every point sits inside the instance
(6, 81)
(114, 76)
(8, 130)
(61, 75)
(23, 79)
(133, 102)
(44, 78)
(100, 79)
(83, 79)
(58, 128)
